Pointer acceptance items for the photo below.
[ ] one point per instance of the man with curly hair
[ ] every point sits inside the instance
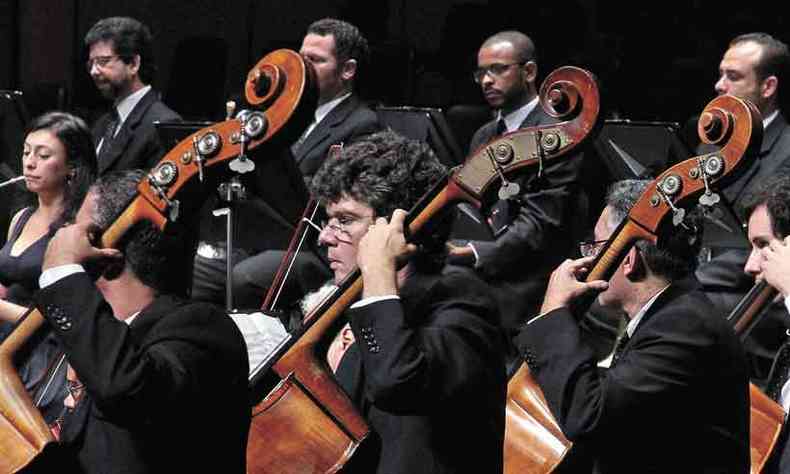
(121, 64)
(421, 347)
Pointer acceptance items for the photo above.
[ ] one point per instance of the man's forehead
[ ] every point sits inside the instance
(348, 205)
(501, 50)
(743, 54)
(102, 48)
(313, 40)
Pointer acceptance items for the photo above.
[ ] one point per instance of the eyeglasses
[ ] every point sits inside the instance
(338, 225)
(100, 61)
(76, 389)
(496, 70)
(590, 248)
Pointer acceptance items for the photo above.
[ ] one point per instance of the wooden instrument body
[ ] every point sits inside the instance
(279, 446)
(278, 83)
(766, 416)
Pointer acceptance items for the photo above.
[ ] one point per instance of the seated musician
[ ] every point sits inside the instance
(421, 356)
(768, 214)
(539, 224)
(157, 383)
(59, 164)
(676, 397)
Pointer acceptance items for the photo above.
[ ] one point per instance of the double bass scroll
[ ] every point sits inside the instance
(173, 187)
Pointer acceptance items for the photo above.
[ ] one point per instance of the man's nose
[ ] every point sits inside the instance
(327, 236)
(752, 266)
(721, 86)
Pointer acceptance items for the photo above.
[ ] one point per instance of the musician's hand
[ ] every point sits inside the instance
(564, 285)
(775, 265)
(460, 254)
(379, 252)
(72, 244)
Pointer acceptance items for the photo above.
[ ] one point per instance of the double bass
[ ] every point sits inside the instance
(282, 87)
(734, 125)
(766, 416)
(305, 423)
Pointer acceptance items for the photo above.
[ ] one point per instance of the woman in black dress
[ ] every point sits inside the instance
(59, 165)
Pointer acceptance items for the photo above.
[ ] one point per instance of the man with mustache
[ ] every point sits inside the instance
(121, 64)
(545, 220)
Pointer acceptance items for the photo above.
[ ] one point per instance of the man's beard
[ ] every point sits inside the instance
(109, 89)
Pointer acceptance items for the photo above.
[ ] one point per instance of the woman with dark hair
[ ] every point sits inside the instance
(59, 165)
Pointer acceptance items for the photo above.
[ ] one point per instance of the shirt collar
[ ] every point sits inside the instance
(514, 119)
(128, 104)
(634, 322)
(324, 109)
(767, 120)
(131, 318)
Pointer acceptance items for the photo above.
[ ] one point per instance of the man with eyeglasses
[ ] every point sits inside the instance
(679, 377)
(121, 64)
(421, 347)
(538, 227)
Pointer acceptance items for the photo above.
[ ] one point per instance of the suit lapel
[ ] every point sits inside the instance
(534, 118)
(126, 133)
(324, 129)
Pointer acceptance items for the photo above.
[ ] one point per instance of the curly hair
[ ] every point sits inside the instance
(129, 37)
(384, 171)
(775, 195)
(76, 138)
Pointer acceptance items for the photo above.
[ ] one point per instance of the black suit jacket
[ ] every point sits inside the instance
(545, 225)
(349, 120)
(677, 400)
(137, 144)
(731, 249)
(167, 393)
(427, 372)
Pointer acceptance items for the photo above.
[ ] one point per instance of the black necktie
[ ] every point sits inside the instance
(109, 133)
(779, 372)
(618, 348)
(501, 127)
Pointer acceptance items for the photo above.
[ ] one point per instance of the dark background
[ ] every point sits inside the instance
(654, 60)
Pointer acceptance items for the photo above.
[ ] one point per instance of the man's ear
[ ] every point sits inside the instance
(769, 87)
(530, 70)
(633, 266)
(349, 70)
(135, 64)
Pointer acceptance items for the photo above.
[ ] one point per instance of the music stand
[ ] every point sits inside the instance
(425, 124)
(633, 149)
(275, 199)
